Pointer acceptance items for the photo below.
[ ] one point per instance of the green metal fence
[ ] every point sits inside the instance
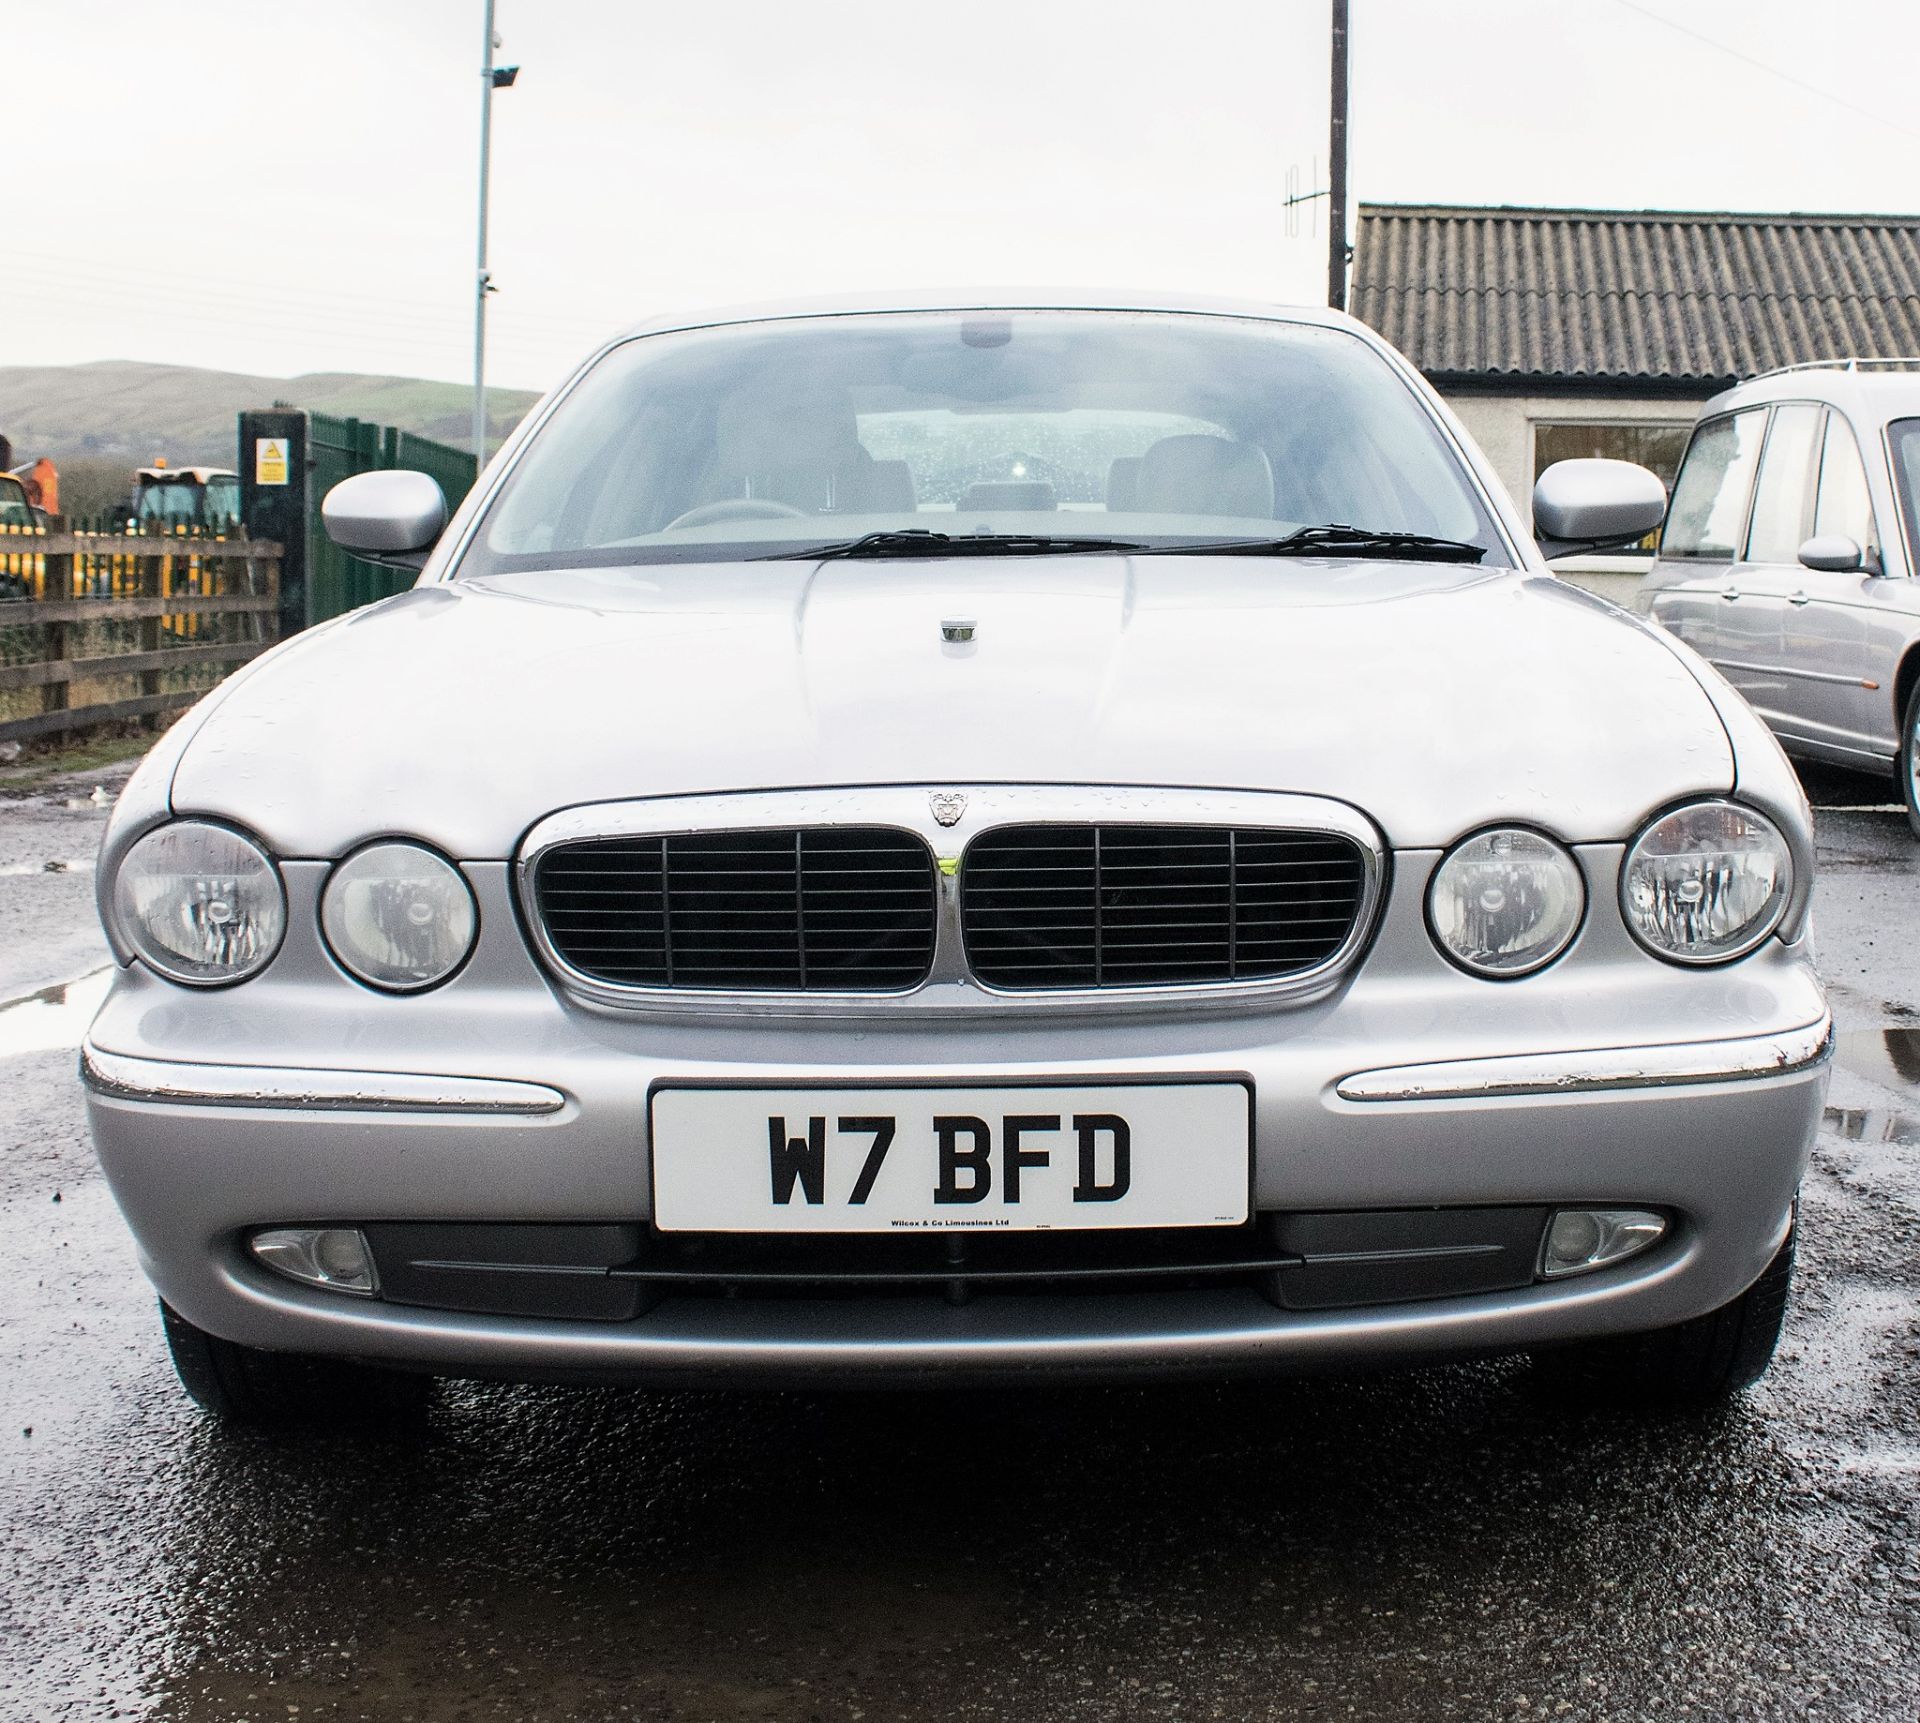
(339, 448)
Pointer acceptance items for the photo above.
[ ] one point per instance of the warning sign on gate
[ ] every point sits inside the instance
(270, 460)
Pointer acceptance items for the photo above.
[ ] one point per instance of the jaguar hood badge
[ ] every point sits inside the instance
(948, 806)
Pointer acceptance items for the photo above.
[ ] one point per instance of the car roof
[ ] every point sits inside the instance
(996, 299)
(1869, 390)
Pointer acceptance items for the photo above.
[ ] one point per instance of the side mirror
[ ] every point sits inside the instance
(1595, 505)
(1832, 553)
(385, 513)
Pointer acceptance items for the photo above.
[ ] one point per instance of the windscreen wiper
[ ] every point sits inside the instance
(1333, 539)
(919, 541)
(1336, 538)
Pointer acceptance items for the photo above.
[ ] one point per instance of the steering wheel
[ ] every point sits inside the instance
(734, 508)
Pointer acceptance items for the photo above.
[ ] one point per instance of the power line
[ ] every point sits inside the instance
(31, 294)
(1772, 71)
(382, 309)
(393, 348)
(552, 350)
(194, 308)
(125, 305)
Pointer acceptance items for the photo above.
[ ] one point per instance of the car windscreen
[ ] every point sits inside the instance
(767, 439)
(1903, 438)
(171, 501)
(223, 499)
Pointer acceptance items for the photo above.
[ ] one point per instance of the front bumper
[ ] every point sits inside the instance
(301, 1098)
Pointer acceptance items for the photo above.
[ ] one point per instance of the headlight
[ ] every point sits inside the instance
(1706, 883)
(1506, 902)
(200, 904)
(398, 916)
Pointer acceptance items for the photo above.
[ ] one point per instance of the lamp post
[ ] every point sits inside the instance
(492, 78)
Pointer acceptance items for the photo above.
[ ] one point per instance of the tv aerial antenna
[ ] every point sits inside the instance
(1296, 200)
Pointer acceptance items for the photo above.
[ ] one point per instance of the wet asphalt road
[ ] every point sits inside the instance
(1428, 1545)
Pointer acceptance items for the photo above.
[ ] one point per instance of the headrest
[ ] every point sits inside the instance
(882, 488)
(1018, 496)
(1123, 482)
(758, 434)
(1204, 476)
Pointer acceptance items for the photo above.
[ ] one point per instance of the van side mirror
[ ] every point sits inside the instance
(1832, 553)
(1595, 505)
(385, 513)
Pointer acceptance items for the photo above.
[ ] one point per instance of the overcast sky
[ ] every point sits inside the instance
(289, 186)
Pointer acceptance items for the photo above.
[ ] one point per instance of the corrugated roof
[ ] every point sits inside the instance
(1641, 296)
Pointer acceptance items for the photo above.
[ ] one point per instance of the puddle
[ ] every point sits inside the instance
(1874, 1124)
(1857, 1350)
(53, 1018)
(14, 870)
(1896, 1462)
(1890, 1057)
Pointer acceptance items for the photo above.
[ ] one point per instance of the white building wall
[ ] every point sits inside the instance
(1503, 426)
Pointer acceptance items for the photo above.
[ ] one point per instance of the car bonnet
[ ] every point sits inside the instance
(1434, 699)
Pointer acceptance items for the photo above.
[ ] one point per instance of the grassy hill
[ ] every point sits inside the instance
(123, 411)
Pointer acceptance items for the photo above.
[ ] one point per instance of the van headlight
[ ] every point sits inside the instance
(200, 904)
(1706, 883)
(398, 916)
(1506, 902)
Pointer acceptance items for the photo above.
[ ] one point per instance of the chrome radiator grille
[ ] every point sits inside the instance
(1079, 906)
(807, 909)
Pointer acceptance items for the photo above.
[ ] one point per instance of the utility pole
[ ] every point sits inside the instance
(492, 78)
(1336, 166)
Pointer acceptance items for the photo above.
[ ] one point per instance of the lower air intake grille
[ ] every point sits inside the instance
(1074, 906)
(846, 909)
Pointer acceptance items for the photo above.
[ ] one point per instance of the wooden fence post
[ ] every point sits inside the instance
(57, 583)
(121, 581)
(153, 584)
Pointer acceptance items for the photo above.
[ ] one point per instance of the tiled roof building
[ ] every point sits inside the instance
(1556, 333)
(1648, 298)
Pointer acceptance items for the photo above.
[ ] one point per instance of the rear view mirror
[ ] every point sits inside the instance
(385, 513)
(1832, 553)
(1595, 505)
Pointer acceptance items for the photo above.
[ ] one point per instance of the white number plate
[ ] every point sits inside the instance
(1020, 1157)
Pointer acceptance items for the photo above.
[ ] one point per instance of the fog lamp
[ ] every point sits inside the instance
(335, 1257)
(1587, 1238)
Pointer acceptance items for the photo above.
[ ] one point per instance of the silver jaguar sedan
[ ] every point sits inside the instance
(970, 841)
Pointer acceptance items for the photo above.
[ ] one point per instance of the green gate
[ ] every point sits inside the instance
(336, 450)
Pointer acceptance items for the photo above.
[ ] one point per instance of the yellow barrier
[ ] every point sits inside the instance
(29, 569)
(107, 571)
(166, 601)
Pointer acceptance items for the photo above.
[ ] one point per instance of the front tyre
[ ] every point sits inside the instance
(244, 1385)
(1907, 765)
(1697, 1364)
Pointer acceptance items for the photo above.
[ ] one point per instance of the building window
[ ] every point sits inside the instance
(1656, 447)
